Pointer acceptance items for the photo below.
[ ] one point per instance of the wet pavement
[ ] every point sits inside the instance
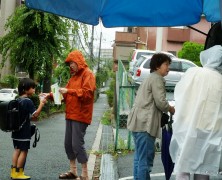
(48, 159)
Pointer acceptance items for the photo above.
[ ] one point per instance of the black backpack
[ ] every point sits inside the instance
(10, 117)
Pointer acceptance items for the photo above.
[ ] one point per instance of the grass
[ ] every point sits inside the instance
(106, 119)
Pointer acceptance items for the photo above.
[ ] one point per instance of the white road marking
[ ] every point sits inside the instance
(151, 175)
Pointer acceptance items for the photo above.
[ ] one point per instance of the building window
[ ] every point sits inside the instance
(173, 52)
(130, 29)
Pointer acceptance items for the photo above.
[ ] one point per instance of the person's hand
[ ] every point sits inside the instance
(47, 96)
(42, 100)
(44, 95)
(172, 110)
(63, 90)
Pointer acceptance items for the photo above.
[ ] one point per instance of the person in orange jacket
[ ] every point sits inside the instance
(78, 96)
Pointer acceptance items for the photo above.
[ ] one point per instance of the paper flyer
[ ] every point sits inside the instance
(56, 94)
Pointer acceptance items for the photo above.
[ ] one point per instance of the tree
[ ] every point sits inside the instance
(34, 41)
(191, 51)
(9, 81)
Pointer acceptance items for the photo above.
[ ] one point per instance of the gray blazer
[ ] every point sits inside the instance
(149, 104)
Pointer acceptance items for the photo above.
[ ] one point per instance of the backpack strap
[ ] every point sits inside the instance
(20, 101)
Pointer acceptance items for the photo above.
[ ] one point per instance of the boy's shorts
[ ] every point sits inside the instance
(22, 145)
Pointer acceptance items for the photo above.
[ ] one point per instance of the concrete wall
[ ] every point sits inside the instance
(6, 9)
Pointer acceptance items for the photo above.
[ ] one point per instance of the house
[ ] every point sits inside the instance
(168, 39)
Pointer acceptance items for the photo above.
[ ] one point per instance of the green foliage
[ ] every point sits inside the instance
(110, 92)
(191, 51)
(90, 63)
(101, 77)
(106, 119)
(34, 40)
(79, 35)
(104, 73)
(61, 73)
(10, 81)
(122, 144)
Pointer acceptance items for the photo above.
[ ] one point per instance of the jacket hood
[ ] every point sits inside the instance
(77, 57)
(212, 58)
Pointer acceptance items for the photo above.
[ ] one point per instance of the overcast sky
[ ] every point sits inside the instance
(108, 36)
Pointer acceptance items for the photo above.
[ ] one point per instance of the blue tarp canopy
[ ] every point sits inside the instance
(127, 13)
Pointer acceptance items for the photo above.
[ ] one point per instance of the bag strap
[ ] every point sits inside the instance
(19, 101)
(37, 137)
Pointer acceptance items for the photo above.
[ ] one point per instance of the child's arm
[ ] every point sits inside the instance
(37, 112)
(48, 96)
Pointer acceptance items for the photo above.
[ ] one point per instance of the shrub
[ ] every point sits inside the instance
(191, 51)
(10, 81)
(110, 92)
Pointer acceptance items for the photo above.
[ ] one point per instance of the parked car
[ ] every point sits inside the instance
(7, 94)
(137, 53)
(177, 68)
(139, 62)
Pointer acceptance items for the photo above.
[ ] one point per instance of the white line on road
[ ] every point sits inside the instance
(151, 175)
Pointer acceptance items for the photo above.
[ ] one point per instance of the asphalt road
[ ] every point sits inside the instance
(48, 159)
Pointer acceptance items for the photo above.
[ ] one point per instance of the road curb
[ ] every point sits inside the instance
(108, 169)
(95, 147)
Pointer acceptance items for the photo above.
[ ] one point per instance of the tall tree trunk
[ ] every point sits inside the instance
(47, 85)
(31, 71)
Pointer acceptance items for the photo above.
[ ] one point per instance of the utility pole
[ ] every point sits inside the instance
(100, 40)
(91, 44)
(159, 39)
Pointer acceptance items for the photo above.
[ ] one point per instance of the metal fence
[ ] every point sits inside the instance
(125, 95)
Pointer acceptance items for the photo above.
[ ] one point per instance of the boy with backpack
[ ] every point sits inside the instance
(21, 139)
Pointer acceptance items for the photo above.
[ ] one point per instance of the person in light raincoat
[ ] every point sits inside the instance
(196, 144)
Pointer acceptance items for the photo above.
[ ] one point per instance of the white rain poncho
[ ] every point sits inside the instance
(196, 143)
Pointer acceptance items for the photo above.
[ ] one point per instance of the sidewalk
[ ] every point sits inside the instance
(96, 129)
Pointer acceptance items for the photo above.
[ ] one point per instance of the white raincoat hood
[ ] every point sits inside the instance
(212, 58)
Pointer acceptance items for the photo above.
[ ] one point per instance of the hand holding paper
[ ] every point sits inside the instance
(56, 93)
(63, 90)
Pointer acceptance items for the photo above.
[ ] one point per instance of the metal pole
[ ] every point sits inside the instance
(91, 48)
(159, 38)
(99, 50)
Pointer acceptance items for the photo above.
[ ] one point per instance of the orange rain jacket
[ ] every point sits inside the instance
(79, 98)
